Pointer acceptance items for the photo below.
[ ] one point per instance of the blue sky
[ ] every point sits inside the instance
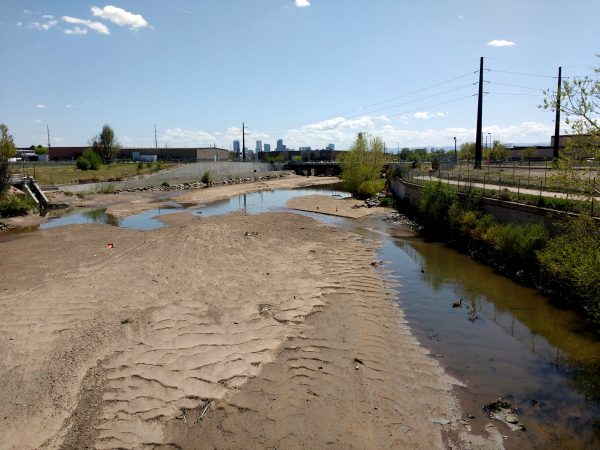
(308, 71)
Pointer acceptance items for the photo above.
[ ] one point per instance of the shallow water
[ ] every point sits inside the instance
(544, 359)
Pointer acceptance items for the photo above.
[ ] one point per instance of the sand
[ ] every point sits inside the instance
(239, 331)
(343, 207)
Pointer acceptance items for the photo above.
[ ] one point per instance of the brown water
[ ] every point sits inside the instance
(544, 359)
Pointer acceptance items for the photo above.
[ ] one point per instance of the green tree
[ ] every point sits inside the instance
(498, 152)
(106, 144)
(467, 151)
(529, 153)
(580, 105)
(40, 150)
(362, 165)
(7, 144)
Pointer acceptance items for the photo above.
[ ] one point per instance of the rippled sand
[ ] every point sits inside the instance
(237, 331)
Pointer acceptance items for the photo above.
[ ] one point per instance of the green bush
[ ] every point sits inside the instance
(206, 178)
(164, 184)
(436, 200)
(516, 240)
(90, 160)
(468, 223)
(16, 205)
(371, 187)
(484, 223)
(82, 163)
(571, 261)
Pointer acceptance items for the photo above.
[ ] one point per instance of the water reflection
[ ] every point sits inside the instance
(519, 344)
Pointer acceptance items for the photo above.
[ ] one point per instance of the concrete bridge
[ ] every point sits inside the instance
(330, 168)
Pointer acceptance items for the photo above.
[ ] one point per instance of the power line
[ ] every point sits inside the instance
(523, 73)
(435, 104)
(515, 85)
(515, 93)
(407, 94)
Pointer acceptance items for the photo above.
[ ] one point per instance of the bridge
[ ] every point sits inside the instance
(329, 168)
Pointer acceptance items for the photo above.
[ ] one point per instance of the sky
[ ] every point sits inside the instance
(311, 72)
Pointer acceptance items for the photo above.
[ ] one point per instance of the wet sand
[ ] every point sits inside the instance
(344, 207)
(239, 331)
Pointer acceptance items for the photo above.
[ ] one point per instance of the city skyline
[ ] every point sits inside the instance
(412, 86)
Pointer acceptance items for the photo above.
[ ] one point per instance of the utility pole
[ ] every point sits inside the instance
(48, 131)
(155, 140)
(557, 119)
(479, 116)
(243, 141)
(455, 153)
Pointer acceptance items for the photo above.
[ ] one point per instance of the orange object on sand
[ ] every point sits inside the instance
(109, 246)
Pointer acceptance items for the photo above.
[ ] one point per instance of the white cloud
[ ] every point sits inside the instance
(428, 115)
(96, 26)
(501, 43)
(47, 16)
(68, 106)
(120, 17)
(302, 3)
(423, 115)
(50, 23)
(41, 106)
(19, 23)
(76, 30)
(182, 136)
(37, 120)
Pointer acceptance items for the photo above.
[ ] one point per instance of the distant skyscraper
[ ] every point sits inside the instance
(236, 146)
(267, 147)
(280, 146)
(331, 147)
(259, 146)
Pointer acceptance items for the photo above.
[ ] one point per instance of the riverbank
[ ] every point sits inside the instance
(237, 330)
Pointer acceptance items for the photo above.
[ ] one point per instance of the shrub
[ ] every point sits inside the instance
(206, 178)
(571, 261)
(436, 199)
(371, 187)
(16, 205)
(388, 201)
(468, 223)
(484, 223)
(68, 193)
(159, 165)
(515, 240)
(82, 163)
(164, 184)
(4, 175)
(89, 161)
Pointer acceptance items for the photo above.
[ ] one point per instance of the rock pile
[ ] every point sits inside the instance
(200, 185)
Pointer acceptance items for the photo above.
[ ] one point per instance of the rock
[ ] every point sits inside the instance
(438, 420)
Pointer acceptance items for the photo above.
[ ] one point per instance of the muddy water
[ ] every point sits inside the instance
(504, 341)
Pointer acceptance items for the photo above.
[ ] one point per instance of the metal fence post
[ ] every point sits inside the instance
(499, 185)
(519, 190)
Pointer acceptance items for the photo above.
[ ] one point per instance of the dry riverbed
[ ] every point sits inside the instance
(238, 331)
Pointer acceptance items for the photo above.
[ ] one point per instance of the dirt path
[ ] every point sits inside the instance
(275, 329)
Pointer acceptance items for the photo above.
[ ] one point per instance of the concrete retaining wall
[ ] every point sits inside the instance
(502, 211)
(188, 173)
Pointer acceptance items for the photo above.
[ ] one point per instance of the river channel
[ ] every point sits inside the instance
(505, 341)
